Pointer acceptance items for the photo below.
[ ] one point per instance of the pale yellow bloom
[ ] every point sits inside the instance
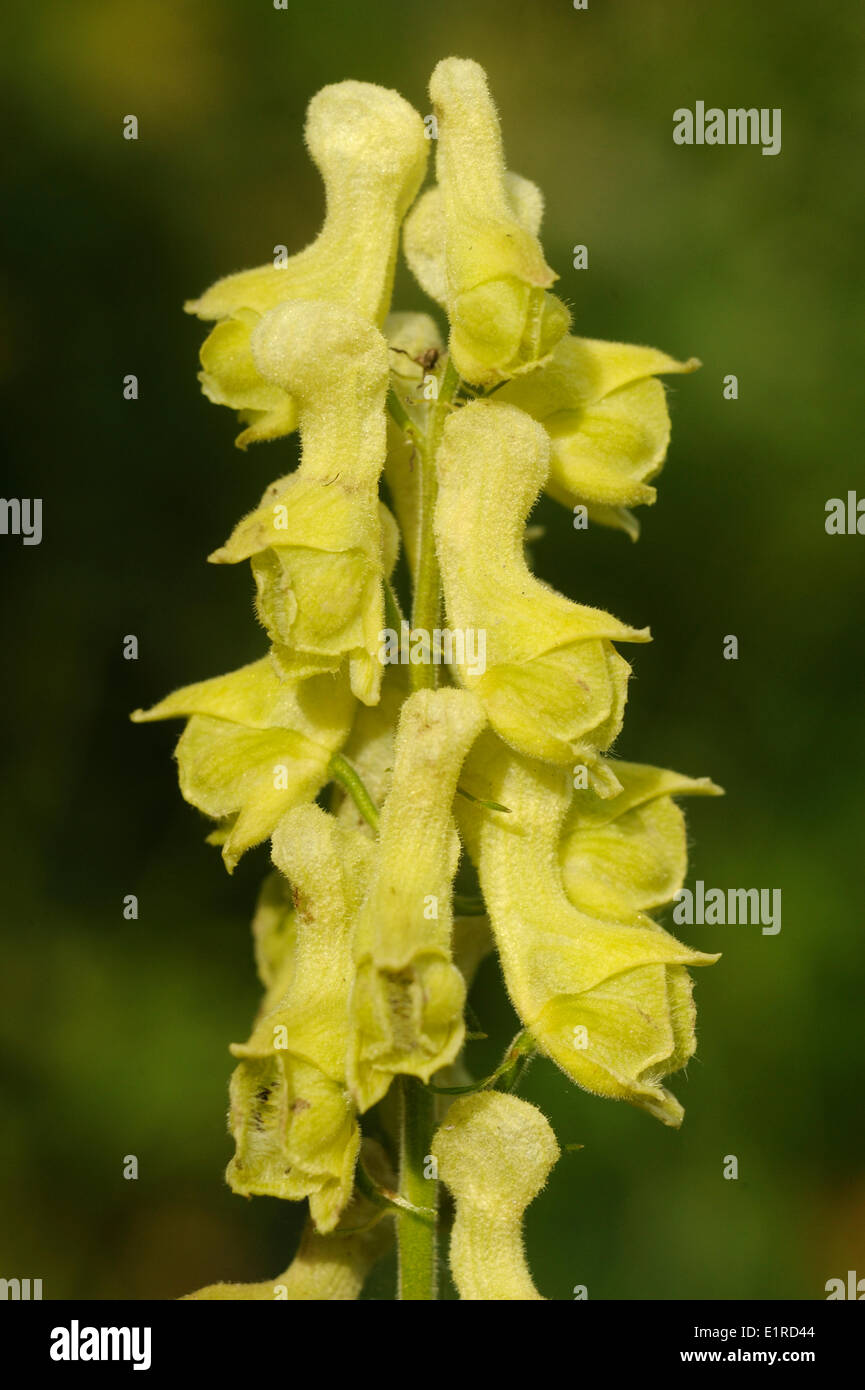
(607, 418)
(368, 144)
(554, 685)
(255, 745)
(291, 1115)
(408, 1001)
(602, 996)
(628, 853)
(468, 243)
(316, 539)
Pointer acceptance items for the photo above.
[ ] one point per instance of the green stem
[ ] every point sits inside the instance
(416, 1229)
(342, 772)
(426, 608)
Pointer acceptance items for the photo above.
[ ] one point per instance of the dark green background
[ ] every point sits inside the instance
(114, 1033)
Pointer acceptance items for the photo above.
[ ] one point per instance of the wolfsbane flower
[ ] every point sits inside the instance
(470, 248)
(554, 685)
(607, 418)
(627, 854)
(291, 1115)
(368, 144)
(318, 548)
(255, 745)
(604, 997)
(407, 1007)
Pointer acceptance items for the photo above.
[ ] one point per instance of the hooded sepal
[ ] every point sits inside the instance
(492, 278)
(605, 998)
(407, 1007)
(554, 685)
(316, 540)
(368, 144)
(292, 1118)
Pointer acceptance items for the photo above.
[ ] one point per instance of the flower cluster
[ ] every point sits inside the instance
(369, 780)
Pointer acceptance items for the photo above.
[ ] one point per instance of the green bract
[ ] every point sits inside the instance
(387, 731)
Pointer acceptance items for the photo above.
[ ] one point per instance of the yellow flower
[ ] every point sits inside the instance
(255, 746)
(628, 854)
(316, 540)
(604, 996)
(495, 1153)
(368, 144)
(607, 418)
(554, 686)
(472, 241)
(291, 1115)
(408, 998)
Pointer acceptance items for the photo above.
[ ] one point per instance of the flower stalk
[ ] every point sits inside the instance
(375, 779)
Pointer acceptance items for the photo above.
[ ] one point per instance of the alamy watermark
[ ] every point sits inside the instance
(21, 516)
(717, 907)
(76, 1343)
(735, 126)
(444, 646)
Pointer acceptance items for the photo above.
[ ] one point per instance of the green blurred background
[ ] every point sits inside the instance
(115, 1033)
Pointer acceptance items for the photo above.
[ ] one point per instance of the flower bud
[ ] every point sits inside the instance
(495, 1153)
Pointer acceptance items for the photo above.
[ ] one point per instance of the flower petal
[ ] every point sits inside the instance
(255, 745)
